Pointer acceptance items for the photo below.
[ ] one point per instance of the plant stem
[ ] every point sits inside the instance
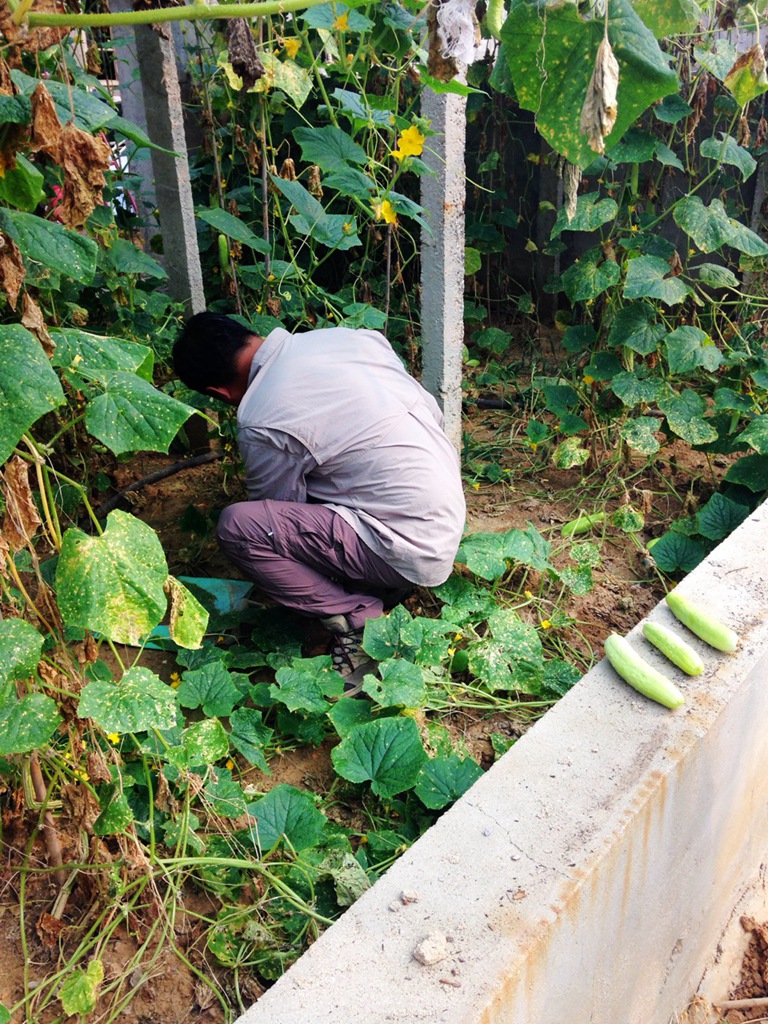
(195, 12)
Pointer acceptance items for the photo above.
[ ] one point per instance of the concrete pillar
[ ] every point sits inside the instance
(154, 103)
(442, 256)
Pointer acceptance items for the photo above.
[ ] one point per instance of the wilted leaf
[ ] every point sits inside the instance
(21, 516)
(46, 126)
(32, 318)
(80, 991)
(241, 50)
(83, 158)
(598, 115)
(188, 618)
(747, 78)
(12, 271)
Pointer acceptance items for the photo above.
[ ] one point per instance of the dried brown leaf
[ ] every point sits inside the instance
(7, 88)
(97, 767)
(21, 517)
(314, 182)
(675, 264)
(12, 269)
(571, 182)
(81, 804)
(32, 318)
(598, 115)
(288, 170)
(242, 53)
(49, 928)
(46, 126)
(762, 132)
(84, 158)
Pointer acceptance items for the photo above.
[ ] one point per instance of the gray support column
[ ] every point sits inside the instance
(442, 256)
(157, 108)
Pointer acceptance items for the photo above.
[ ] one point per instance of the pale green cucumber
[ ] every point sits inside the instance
(639, 674)
(582, 525)
(673, 647)
(700, 622)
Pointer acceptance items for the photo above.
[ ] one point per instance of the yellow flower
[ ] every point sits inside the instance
(113, 737)
(385, 211)
(534, 445)
(292, 46)
(588, 379)
(230, 764)
(83, 776)
(633, 227)
(411, 143)
(175, 680)
(342, 22)
(528, 594)
(476, 486)
(546, 624)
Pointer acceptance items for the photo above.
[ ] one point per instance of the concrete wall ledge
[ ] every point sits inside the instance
(589, 876)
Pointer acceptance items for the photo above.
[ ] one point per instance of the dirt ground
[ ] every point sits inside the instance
(181, 509)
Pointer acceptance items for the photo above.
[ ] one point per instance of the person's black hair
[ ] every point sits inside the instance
(205, 352)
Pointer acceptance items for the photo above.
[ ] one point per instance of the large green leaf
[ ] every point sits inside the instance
(710, 227)
(689, 347)
(401, 685)
(445, 779)
(669, 17)
(720, 517)
(203, 743)
(52, 245)
(29, 388)
(750, 471)
(551, 51)
(673, 551)
(22, 186)
(587, 278)
(719, 60)
(591, 213)
(95, 354)
(635, 327)
(640, 434)
(139, 701)
(285, 75)
(330, 229)
(232, 226)
(329, 147)
(249, 735)
(288, 812)
(211, 688)
(392, 635)
(388, 753)
(349, 182)
(634, 390)
(647, 278)
(307, 685)
(756, 435)
(127, 258)
(20, 648)
(113, 584)
(715, 276)
(131, 415)
(26, 723)
(685, 416)
(727, 150)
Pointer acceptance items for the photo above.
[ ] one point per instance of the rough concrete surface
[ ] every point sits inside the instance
(589, 875)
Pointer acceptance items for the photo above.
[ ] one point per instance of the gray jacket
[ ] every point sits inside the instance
(332, 416)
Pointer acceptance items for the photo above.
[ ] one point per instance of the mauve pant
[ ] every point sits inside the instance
(306, 557)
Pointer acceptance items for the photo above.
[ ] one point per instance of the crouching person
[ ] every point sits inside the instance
(355, 490)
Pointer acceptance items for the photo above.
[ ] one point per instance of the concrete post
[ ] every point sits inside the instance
(442, 256)
(154, 103)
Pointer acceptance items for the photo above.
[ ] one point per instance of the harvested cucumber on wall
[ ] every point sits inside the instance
(702, 623)
(639, 674)
(673, 647)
